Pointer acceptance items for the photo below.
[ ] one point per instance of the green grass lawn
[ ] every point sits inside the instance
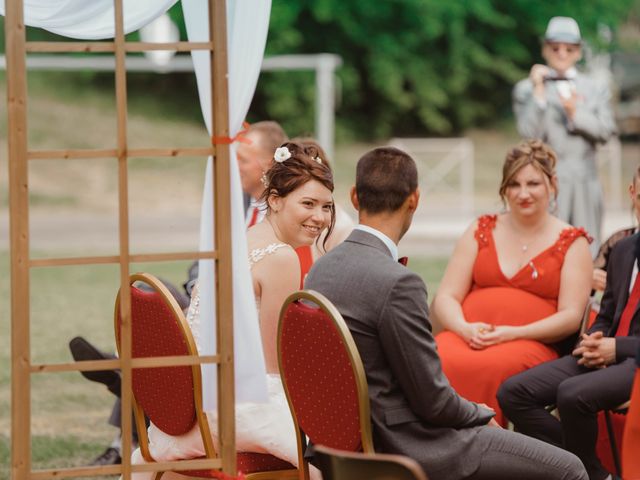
(69, 413)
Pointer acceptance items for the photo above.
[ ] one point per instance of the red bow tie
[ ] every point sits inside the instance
(403, 260)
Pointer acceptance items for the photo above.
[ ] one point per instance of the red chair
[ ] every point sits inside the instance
(323, 377)
(171, 397)
(631, 438)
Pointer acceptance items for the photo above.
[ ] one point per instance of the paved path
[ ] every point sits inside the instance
(89, 233)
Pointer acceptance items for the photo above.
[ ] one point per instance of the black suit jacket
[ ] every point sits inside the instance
(414, 409)
(614, 299)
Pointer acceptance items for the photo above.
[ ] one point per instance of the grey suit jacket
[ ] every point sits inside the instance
(615, 296)
(414, 410)
(574, 142)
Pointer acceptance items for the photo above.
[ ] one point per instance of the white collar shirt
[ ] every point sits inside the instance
(393, 248)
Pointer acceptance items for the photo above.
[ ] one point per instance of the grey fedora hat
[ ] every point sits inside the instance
(563, 29)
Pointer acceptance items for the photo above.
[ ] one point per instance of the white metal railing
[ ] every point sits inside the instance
(436, 159)
(323, 64)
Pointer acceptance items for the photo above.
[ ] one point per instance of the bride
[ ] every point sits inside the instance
(299, 203)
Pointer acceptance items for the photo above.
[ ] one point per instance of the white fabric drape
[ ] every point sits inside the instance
(90, 19)
(247, 25)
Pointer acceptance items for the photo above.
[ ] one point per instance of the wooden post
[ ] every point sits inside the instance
(19, 233)
(123, 226)
(222, 224)
(21, 368)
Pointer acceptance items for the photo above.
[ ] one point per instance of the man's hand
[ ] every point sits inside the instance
(596, 350)
(585, 342)
(492, 422)
(569, 104)
(599, 280)
(537, 74)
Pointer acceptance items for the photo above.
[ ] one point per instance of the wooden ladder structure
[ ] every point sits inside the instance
(21, 263)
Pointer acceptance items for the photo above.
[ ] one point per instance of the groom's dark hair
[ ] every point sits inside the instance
(385, 177)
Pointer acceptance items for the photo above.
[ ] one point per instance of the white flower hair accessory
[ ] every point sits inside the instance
(318, 159)
(282, 154)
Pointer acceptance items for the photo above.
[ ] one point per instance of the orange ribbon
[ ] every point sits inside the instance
(240, 137)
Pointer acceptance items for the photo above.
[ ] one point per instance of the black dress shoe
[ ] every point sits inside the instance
(82, 350)
(110, 456)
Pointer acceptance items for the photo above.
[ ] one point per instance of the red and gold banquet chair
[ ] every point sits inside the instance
(323, 377)
(340, 465)
(171, 397)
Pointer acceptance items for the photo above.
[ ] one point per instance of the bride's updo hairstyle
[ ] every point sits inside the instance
(294, 165)
(529, 152)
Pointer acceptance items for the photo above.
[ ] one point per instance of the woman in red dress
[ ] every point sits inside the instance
(516, 285)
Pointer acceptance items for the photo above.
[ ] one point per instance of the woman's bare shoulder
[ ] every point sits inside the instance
(559, 225)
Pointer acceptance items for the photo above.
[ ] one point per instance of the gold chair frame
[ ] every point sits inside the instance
(201, 415)
(364, 411)
(386, 465)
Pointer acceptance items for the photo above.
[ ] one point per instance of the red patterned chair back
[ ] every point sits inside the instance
(158, 329)
(322, 374)
(171, 397)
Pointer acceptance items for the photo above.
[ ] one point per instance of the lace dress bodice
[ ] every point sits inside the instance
(193, 314)
(258, 254)
(265, 428)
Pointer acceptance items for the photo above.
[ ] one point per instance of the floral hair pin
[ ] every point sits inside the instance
(282, 154)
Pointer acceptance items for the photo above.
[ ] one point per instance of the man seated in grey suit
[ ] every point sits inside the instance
(414, 410)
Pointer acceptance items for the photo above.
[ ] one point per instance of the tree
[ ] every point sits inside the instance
(422, 67)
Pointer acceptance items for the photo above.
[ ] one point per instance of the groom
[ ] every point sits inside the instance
(414, 410)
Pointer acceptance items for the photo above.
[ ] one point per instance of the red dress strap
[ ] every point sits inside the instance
(567, 237)
(486, 223)
(305, 255)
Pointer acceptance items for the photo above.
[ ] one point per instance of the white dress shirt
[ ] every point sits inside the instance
(393, 248)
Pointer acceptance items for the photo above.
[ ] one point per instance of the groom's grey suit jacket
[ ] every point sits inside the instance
(414, 410)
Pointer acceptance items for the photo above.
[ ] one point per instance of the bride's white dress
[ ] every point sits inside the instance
(260, 427)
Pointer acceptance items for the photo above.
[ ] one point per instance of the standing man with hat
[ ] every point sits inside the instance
(570, 111)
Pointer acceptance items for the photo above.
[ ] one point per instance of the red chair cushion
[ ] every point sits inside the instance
(247, 462)
(165, 393)
(319, 378)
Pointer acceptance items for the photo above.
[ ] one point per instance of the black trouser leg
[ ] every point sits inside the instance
(524, 398)
(115, 419)
(581, 398)
(579, 392)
